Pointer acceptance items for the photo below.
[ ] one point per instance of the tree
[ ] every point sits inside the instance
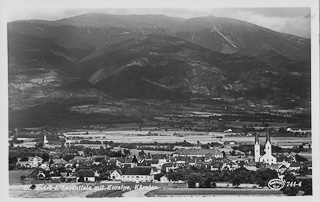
(81, 179)
(290, 191)
(208, 182)
(158, 176)
(175, 176)
(39, 145)
(263, 176)
(134, 160)
(194, 178)
(236, 181)
(306, 186)
(68, 157)
(141, 153)
(63, 141)
(45, 157)
(126, 152)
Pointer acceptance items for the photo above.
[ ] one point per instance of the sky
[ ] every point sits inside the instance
(289, 18)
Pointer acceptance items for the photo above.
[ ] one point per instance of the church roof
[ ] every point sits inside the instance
(137, 171)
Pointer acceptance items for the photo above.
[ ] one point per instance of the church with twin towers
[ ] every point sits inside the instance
(267, 157)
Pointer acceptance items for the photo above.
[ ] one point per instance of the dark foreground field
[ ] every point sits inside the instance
(190, 192)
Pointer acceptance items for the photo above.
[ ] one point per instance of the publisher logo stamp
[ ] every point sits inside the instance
(276, 184)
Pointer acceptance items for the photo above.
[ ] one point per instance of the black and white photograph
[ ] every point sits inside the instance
(116, 99)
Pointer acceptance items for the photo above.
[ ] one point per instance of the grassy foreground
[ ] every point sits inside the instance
(180, 192)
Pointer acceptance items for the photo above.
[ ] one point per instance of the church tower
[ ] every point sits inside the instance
(45, 141)
(256, 148)
(267, 146)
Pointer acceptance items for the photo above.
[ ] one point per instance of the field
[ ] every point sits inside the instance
(211, 192)
(131, 136)
(14, 175)
(278, 140)
(152, 152)
(17, 191)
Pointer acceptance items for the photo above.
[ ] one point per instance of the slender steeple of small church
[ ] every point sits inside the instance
(256, 148)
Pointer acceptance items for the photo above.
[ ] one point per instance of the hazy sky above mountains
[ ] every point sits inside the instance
(294, 21)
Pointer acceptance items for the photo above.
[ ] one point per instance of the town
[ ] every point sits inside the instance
(193, 161)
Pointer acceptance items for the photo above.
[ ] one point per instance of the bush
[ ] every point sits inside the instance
(23, 177)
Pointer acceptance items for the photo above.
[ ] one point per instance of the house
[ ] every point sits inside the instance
(222, 160)
(127, 162)
(164, 179)
(203, 165)
(150, 162)
(42, 174)
(78, 160)
(227, 166)
(116, 175)
(39, 173)
(231, 143)
(138, 174)
(23, 162)
(216, 166)
(238, 160)
(294, 166)
(283, 166)
(55, 176)
(251, 166)
(208, 158)
(35, 161)
(288, 158)
(88, 162)
(97, 161)
(199, 153)
(85, 176)
(272, 166)
(45, 166)
(162, 161)
(168, 166)
(57, 163)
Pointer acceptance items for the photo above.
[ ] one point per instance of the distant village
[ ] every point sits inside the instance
(93, 165)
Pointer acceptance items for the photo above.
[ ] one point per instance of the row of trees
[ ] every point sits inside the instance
(237, 177)
(261, 177)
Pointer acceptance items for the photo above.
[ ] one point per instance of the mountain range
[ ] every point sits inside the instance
(155, 56)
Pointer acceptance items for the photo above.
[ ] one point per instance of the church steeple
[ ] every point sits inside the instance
(256, 148)
(45, 141)
(256, 141)
(268, 136)
(267, 146)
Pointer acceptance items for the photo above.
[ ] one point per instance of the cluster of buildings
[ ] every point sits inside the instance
(144, 168)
